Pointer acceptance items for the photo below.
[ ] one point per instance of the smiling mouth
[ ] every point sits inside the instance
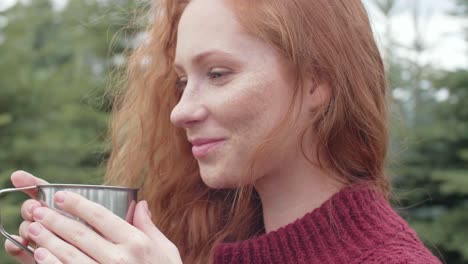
(203, 149)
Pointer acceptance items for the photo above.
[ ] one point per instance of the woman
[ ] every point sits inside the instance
(257, 131)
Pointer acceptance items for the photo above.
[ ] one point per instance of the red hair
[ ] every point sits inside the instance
(330, 40)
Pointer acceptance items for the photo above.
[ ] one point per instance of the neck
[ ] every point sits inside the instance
(294, 191)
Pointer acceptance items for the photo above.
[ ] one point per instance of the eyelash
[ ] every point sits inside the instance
(181, 81)
(180, 84)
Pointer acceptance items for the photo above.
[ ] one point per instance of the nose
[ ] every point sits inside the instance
(189, 111)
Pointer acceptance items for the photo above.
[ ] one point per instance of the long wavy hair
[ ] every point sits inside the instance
(329, 39)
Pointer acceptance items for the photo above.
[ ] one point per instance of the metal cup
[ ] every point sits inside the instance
(119, 200)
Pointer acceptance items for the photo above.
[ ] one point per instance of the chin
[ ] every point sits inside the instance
(219, 181)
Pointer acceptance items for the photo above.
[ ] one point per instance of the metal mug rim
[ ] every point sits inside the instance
(104, 187)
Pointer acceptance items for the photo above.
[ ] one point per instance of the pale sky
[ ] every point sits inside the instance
(443, 33)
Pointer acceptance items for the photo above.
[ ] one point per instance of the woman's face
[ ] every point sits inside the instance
(235, 90)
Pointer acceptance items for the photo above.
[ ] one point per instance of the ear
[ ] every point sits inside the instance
(316, 92)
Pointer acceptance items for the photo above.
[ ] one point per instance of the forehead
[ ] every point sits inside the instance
(208, 13)
(207, 25)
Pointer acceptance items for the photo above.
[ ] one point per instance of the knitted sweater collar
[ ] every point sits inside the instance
(353, 220)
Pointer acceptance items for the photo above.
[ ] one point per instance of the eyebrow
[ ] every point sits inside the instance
(204, 55)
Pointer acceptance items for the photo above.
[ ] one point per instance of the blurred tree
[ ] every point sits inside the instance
(448, 149)
(55, 65)
(430, 150)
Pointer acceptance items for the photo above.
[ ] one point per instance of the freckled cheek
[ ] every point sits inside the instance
(242, 115)
(244, 110)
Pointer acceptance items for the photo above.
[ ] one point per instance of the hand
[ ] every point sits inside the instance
(24, 179)
(64, 240)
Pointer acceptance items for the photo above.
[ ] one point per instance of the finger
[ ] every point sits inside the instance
(23, 230)
(24, 179)
(63, 251)
(73, 232)
(28, 207)
(43, 256)
(142, 221)
(18, 253)
(104, 221)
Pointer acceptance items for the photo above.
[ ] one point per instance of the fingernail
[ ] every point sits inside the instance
(39, 213)
(40, 254)
(59, 197)
(35, 229)
(32, 207)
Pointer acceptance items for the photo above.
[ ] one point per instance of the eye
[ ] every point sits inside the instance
(217, 73)
(181, 82)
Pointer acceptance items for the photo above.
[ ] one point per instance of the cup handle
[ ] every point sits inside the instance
(4, 232)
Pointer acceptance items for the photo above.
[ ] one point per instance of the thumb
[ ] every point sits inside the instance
(24, 179)
(142, 221)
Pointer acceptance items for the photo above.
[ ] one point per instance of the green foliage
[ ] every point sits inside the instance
(429, 148)
(55, 67)
(449, 169)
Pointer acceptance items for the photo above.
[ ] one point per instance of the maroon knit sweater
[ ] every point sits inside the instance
(356, 225)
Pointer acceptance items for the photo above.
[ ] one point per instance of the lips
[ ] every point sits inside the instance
(202, 147)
